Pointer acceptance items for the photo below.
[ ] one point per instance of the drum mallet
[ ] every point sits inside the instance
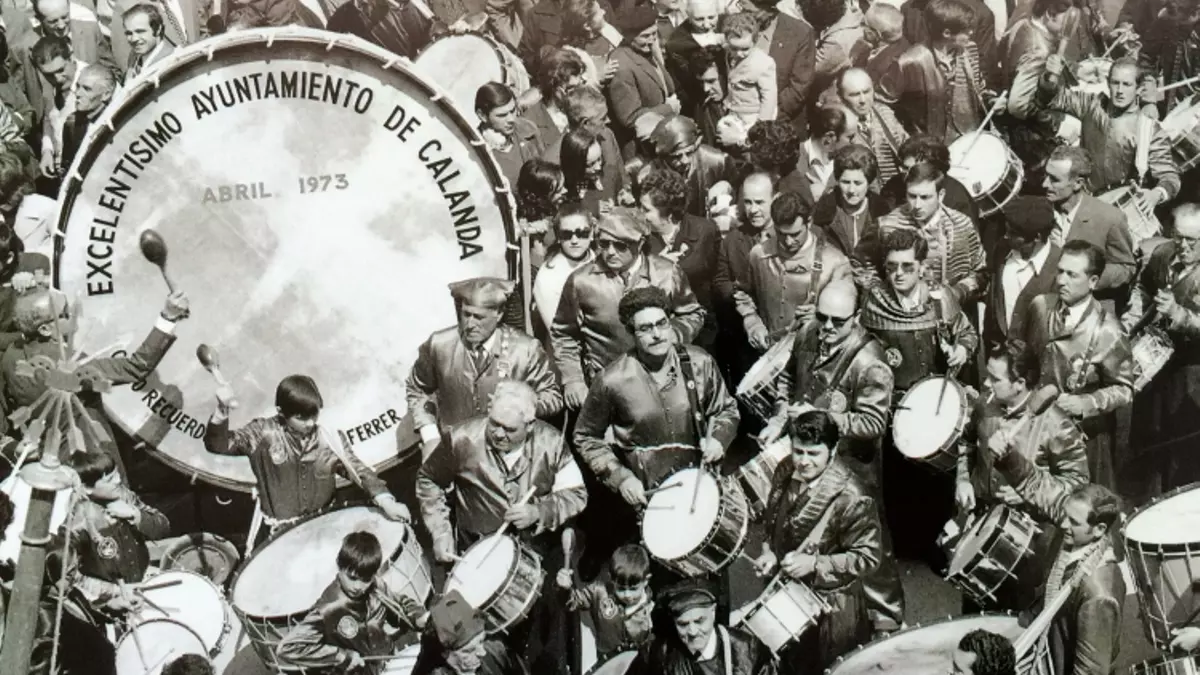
(1180, 83)
(504, 528)
(154, 249)
(211, 360)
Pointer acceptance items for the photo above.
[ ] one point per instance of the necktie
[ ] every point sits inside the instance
(178, 35)
(1064, 315)
(479, 356)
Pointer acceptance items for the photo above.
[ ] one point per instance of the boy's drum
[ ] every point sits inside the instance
(189, 599)
(925, 650)
(302, 180)
(1162, 545)
(501, 578)
(204, 553)
(699, 527)
(150, 646)
(464, 63)
(282, 580)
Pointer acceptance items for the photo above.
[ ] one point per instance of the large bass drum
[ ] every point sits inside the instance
(1162, 545)
(317, 197)
(464, 63)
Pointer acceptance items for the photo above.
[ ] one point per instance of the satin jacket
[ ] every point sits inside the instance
(1180, 377)
(484, 486)
(445, 386)
(778, 285)
(625, 398)
(109, 551)
(587, 334)
(1085, 639)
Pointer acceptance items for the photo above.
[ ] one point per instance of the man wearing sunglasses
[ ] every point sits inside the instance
(924, 332)
(587, 333)
(573, 230)
(838, 367)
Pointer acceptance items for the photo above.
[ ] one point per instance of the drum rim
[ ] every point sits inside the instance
(224, 602)
(721, 488)
(197, 541)
(519, 547)
(912, 629)
(140, 94)
(964, 414)
(600, 664)
(491, 42)
(245, 564)
(1007, 515)
(182, 625)
(1166, 496)
(1163, 660)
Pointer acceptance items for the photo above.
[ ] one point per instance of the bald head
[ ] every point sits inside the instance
(884, 24)
(839, 298)
(55, 16)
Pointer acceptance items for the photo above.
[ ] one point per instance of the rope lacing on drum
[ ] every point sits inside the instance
(270, 40)
(333, 42)
(209, 52)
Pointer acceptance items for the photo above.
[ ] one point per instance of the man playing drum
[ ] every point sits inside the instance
(924, 333)
(295, 462)
(457, 368)
(822, 529)
(787, 272)
(837, 367)
(587, 333)
(508, 467)
(1081, 350)
(1167, 412)
(1026, 454)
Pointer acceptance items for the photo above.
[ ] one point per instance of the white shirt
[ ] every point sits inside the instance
(912, 299)
(140, 64)
(1062, 227)
(819, 169)
(548, 286)
(1017, 274)
(710, 650)
(1075, 314)
(56, 118)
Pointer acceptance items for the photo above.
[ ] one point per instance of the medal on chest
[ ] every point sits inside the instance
(278, 454)
(348, 627)
(1078, 377)
(837, 402)
(106, 548)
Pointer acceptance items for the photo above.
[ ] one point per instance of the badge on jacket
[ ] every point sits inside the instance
(837, 402)
(106, 548)
(893, 357)
(608, 608)
(348, 627)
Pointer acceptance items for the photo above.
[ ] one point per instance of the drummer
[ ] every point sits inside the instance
(295, 461)
(1167, 413)
(1022, 451)
(838, 367)
(823, 530)
(506, 468)
(923, 333)
(458, 367)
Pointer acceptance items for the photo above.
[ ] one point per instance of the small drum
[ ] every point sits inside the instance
(988, 554)
(1151, 350)
(1180, 125)
(1092, 75)
(754, 477)
(928, 650)
(461, 64)
(1166, 665)
(700, 541)
(282, 580)
(1143, 224)
(501, 578)
(924, 433)
(189, 599)
(205, 554)
(782, 613)
(1162, 545)
(617, 664)
(150, 646)
(991, 172)
(759, 388)
(404, 662)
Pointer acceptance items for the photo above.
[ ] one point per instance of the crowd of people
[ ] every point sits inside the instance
(862, 273)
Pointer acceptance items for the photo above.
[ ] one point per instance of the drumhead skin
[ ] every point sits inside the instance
(983, 167)
(919, 429)
(1159, 523)
(670, 529)
(615, 665)
(303, 561)
(161, 641)
(922, 650)
(193, 602)
(462, 64)
(315, 200)
(483, 569)
(974, 540)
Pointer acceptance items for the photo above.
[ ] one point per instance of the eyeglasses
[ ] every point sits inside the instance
(906, 267)
(566, 235)
(837, 321)
(618, 246)
(651, 328)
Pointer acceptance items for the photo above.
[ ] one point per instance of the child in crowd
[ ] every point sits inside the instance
(752, 93)
(620, 606)
(357, 617)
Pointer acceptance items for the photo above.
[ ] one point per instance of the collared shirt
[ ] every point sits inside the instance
(820, 167)
(912, 299)
(632, 271)
(1062, 227)
(56, 118)
(710, 650)
(767, 36)
(1017, 274)
(1018, 407)
(139, 64)
(1074, 313)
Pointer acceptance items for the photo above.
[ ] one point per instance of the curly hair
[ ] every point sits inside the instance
(813, 427)
(774, 147)
(558, 67)
(667, 191)
(855, 157)
(994, 654)
(536, 185)
(822, 13)
(641, 298)
(789, 207)
(902, 240)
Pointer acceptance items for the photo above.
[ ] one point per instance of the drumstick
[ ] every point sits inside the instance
(942, 394)
(1181, 83)
(503, 528)
(662, 488)
(154, 248)
(137, 642)
(983, 126)
(143, 587)
(568, 546)
(153, 605)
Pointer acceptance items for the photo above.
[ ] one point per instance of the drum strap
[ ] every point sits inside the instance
(806, 372)
(726, 649)
(818, 261)
(689, 383)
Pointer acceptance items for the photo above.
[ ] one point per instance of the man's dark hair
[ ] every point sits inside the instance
(828, 118)
(1104, 507)
(903, 240)
(774, 147)
(641, 298)
(49, 48)
(926, 148)
(189, 664)
(994, 654)
(925, 172)
(788, 207)
(667, 192)
(855, 157)
(954, 16)
(152, 15)
(1095, 256)
(815, 426)
(1021, 362)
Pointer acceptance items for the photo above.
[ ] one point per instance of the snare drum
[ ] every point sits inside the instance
(991, 172)
(1151, 350)
(759, 389)
(617, 664)
(928, 650)
(150, 646)
(755, 476)
(701, 541)
(1143, 224)
(203, 553)
(1166, 665)
(191, 600)
(782, 613)
(924, 433)
(1180, 125)
(282, 580)
(501, 578)
(461, 64)
(1163, 551)
(988, 554)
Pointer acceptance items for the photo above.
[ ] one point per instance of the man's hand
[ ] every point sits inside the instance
(1185, 639)
(1070, 404)
(804, 314)
(712, 449)
(773, 430)
(356, 662)
(122, 510)
(177, 307)
(575, 394)
(23, 281)
(522, 516)
(444, 555)
(1164, 302)
(1054, 65)
(610, 69)
(1151, 196)
(226, 400)
(964, 496)
(1009, 496)
(393, 509)
(765, 564)
(673, 101)
(799, 566)
(564, 579)
(49, 165)
(633, 492)
(956, 356)
(758, 336)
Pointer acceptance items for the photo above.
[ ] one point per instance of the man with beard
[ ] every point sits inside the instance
(400, 28)
(588, 332)
(878, 128)
(574, 228)
(677, 144)
(698, 33)
(507, 467)
(1111, 130)
(1083, 352)
(1167, 413)
(95, 90)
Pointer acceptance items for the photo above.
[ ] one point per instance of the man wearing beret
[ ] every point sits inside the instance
(1027, 271)
(458, 645)
(458, 367)
(641, 84)
(697, 645)
(587, 333)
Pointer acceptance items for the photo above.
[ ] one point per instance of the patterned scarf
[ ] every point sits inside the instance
(1092, 554)
(883, 311)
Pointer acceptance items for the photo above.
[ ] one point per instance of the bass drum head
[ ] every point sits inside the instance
(922, 650)
(158, 643)
(981, 167)
(671, 529)
(615, 665)
(316, 196)
(1162, 523)
(462, 64)
(919, 428)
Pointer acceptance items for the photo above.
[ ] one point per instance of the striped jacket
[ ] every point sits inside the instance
(952, 237)
(922, 91)
(884, 134)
